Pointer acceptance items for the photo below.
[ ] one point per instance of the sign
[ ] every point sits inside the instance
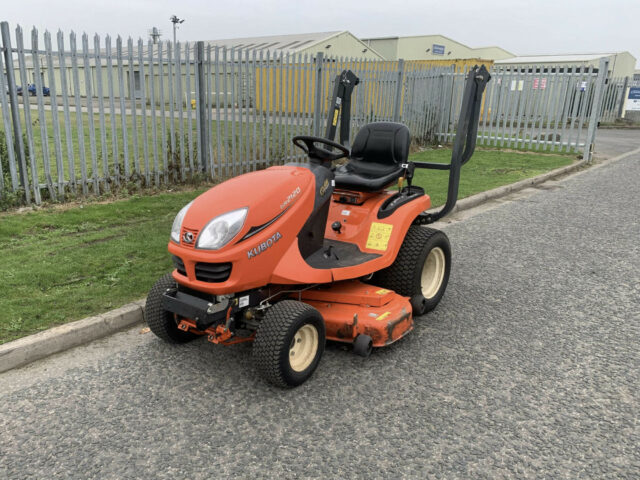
(539, 83)
(438, 49)
(633, 104)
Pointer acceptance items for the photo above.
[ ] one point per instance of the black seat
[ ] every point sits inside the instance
(377, 153)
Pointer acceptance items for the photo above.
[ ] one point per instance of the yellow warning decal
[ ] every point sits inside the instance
(335, 117)
(379, 235)
(382, 291)
(383, 316)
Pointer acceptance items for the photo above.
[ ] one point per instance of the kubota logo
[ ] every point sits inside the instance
(264, 245)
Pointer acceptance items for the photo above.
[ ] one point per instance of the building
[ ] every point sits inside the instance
(335, 44)
(432, 47)
(621, 64)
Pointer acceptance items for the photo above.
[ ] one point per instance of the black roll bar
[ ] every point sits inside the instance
(464, 143)
(341, 106)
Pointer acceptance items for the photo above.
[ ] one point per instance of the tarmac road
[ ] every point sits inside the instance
(529, 368)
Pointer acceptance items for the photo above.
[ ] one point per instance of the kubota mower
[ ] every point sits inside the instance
(293, 255)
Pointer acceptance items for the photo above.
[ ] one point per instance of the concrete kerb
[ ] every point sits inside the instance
(34, 347)
(58, 339)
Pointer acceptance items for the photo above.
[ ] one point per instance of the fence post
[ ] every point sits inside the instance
(15, 114)
(203, 137)
(397, 104)
(318, 104)
(623, 97)
(595, 109)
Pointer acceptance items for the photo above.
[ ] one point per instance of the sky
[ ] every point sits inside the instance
(524, 27)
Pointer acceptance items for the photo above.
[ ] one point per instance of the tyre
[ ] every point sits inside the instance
(363, 345)
(421, 269)
(164, 324)
(289, 343)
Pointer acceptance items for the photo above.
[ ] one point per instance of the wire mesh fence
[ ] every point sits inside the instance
(90, 115)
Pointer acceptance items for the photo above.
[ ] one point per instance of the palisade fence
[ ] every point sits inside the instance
(90, 116)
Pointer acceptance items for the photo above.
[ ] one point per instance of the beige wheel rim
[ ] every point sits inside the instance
(433, 273)
(303, 348)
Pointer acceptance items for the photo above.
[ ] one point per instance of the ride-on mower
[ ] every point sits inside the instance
(293, 255)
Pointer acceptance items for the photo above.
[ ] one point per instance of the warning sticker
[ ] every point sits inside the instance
(335, 117)
(382, 291)
(379, 235)
(383, 316)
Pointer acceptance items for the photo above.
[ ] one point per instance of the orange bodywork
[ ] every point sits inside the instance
(279, 201)
(281, 263)
(351, 308)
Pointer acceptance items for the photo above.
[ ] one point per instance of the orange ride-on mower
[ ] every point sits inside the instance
(293, 255)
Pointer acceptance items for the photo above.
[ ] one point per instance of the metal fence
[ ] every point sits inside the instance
(96, 115)
(538, 107)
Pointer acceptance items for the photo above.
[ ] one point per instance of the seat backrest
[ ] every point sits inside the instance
(385, 143)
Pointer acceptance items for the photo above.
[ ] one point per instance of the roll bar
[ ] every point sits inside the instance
(463, 145)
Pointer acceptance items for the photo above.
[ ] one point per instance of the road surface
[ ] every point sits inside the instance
(529, 368)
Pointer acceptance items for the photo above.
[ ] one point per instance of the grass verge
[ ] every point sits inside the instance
(63, 264)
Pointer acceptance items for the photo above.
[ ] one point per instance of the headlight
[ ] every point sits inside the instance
(221, 229)
(177, 223)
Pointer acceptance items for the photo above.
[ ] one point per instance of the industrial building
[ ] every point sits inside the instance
(431, 47)
(621, 64)
(335, 44)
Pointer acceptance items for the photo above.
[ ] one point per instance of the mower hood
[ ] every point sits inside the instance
(266, 193)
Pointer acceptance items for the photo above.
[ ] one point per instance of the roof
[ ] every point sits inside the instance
(430, 35)
(280, 43)
(580, 57)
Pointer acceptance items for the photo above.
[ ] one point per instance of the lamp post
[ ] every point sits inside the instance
(176, 21)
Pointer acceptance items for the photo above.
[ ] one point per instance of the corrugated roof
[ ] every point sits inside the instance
(580, 57)
(280, 43)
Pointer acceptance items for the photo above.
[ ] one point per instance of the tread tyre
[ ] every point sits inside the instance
(288, 328)
(421, 269)
(162, 323)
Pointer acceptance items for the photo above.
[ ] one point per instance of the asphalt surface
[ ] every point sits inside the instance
(529, 368)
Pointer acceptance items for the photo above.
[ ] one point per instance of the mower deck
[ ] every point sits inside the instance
(350, 308)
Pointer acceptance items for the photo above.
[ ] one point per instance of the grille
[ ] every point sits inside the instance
(179, 264)
(213, 272)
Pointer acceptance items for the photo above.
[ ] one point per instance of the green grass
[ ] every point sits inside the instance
(64, 263)
(487, 169)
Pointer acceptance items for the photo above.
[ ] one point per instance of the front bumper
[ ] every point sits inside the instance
(208, 313)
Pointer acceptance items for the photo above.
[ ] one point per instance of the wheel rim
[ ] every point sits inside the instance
(303, 348)
(433, 273)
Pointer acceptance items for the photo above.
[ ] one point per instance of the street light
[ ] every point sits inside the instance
(175, 20)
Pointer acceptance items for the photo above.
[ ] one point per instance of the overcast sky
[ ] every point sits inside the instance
(520, 26)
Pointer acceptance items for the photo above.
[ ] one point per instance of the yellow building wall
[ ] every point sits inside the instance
(274, 84)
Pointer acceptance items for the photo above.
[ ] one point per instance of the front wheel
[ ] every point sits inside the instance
(162, 323)
(289, 343)
(421, 269)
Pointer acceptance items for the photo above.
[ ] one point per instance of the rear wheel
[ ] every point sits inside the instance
(161, 322)
(421, 269)
(289, 343)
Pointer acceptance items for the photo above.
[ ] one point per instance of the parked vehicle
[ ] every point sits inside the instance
(31, 88)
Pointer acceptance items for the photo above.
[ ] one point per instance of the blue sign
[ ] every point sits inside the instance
(438, 49)
(634, 93)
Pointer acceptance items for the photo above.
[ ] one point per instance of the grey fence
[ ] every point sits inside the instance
(536, 107)
(92, 115)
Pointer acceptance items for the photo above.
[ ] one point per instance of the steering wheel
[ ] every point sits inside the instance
(308, 144)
